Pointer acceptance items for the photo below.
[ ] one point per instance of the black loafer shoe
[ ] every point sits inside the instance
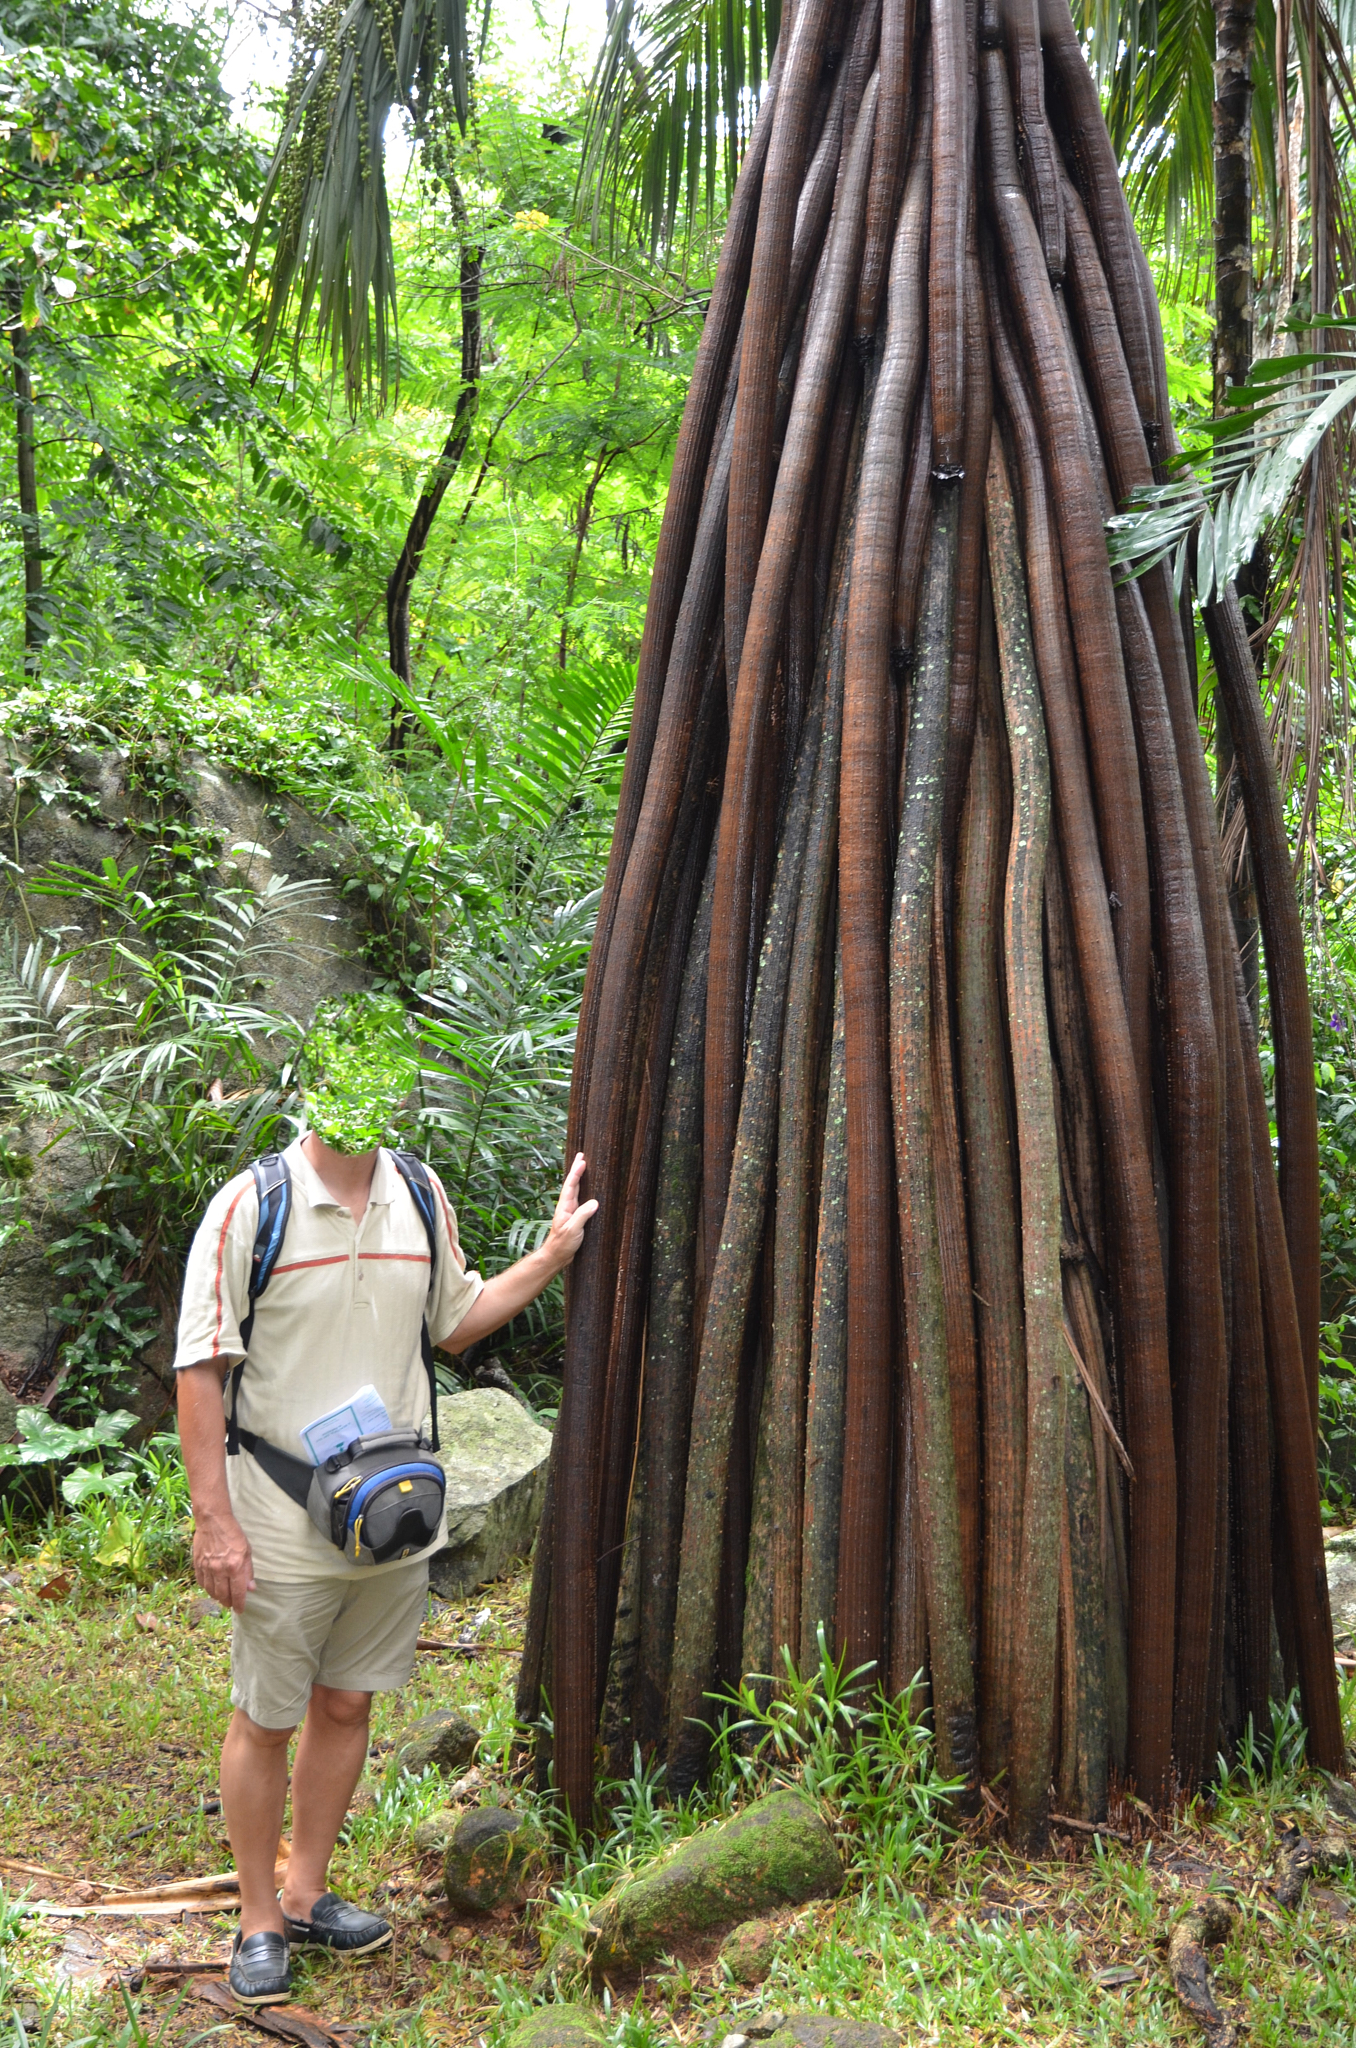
(260, 1972)
(335, 1925)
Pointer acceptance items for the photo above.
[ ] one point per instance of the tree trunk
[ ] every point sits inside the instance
(26, 466)
(431, 497)
(583, 520)
(1235, 32)
(976, 156)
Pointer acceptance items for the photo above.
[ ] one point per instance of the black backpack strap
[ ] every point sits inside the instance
(293, 1475)
(415, 1175)
(273, 1185)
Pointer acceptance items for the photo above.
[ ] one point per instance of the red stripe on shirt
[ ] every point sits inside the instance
(414, 1258)
(296, 1265)
(221, 1259)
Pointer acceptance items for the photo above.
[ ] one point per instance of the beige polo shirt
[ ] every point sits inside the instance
(343, 1309)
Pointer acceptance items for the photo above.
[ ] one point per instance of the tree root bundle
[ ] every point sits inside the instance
(943, 1295)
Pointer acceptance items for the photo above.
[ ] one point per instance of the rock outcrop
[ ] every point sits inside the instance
(1341, 1554)
(558, 2026)
(100, 815)
(494, 1456)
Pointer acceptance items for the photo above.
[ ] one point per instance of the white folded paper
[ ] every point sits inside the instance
(363, 1415)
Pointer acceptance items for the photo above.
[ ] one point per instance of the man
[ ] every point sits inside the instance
(315, 1634)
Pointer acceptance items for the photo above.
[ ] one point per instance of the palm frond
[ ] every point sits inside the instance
(1153, 60)
(671, 106)
(1231, 490)
(499, 1037)
(33, 1011)
(334, 258)
(248, 930)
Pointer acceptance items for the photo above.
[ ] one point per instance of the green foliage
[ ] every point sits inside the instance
(147, 1042)
(1335, 1079)
(674, 96)
(123, 170)
(45, 1441)
(1249, 464)
(120, 1517)
(864, 1755)
(351, 68)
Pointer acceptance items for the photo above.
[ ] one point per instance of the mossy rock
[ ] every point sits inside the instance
(436, 1829)
(818, 2030)
(777, 1852)
(444, 1738)
(558, 2026)
(490, 1859)
(748, 1949)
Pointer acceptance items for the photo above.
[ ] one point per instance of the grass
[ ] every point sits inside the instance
(113, 1700)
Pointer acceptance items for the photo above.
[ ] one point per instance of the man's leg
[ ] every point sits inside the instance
(253, 1793)
(329, 1762)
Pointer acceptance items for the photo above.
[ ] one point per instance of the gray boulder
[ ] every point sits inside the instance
(1341, 1552)
(494, 1456)
(444, 1739)
(491, 1859)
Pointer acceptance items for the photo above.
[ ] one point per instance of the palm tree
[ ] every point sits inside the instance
(902, 761)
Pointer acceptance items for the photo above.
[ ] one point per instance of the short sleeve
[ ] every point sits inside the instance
(216, 1279)
(454, 1288)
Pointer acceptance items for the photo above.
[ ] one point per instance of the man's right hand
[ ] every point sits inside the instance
(222, 1564)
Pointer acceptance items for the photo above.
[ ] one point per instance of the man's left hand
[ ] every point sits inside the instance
(568, 1224)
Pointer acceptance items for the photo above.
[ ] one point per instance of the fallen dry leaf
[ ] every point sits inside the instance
(151, 1623)
(57, 1588)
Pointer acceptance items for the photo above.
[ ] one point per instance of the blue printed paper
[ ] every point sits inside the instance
(363, 1415)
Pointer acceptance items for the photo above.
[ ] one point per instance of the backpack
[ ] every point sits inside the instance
(381, 1497)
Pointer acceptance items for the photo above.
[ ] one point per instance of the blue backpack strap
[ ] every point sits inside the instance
(273, 1185)
(415, 1175)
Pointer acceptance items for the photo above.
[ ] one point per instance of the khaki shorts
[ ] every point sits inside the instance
(356, 1634)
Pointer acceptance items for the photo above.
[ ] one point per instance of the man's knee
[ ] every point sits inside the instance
(343, 1709)
(246, 1730)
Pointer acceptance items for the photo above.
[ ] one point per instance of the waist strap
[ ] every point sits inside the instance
(293, 1475)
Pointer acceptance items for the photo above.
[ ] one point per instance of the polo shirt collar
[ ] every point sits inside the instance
(305, 1177)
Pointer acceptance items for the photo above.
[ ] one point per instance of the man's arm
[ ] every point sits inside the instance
(222, 1563)
(501, 1298)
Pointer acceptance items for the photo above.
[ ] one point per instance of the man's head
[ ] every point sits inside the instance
(358, 1067)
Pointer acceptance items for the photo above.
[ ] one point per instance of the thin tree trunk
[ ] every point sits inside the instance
(1235, 32)
(583, 521)
(26, 467)
(994, 1223)
(1235, 29)
(431, 497)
